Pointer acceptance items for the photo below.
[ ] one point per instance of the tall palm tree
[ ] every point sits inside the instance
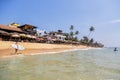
(67, 36)
(71, 35)
(91, 29)
(76, 37)
(85, 39)
(71, 32)
(71, 27)
(77, 32)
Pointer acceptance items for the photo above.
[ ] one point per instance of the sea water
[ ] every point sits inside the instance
(92, 64)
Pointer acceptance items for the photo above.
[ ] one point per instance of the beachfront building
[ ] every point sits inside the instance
(16, 32)
(40, 33)
(30, 32)
(41, 36)
(14, 25)
(29, 29)
(56, 37)
(60, 37)
(9, 33)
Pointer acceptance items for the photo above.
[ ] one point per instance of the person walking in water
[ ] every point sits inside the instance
(115, 49)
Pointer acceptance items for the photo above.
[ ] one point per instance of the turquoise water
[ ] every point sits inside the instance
(94, 64)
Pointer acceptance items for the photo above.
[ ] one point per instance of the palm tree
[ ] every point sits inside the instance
(71, 32)
(85, 40)
(45, 32)
(75, 38)
(71, 35)
(71, 27)
(67, 36)
(59, 31)
(91, 41)
(77, 32)
(91, 29)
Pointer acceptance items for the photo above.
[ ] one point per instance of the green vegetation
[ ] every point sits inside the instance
(73, 36)
(91, 30)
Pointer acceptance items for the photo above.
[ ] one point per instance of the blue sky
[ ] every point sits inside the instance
(52, 15)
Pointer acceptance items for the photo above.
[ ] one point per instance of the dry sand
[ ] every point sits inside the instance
(34, 48)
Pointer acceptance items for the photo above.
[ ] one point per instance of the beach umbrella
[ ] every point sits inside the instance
(33, 37)
(37, 39)
(41, 38)
(15, 35)
(53, 39)
(28, 36)
(22, 35)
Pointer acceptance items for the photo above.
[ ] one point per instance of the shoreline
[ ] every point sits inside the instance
(42, 53)
(45, 52)
(37, 48)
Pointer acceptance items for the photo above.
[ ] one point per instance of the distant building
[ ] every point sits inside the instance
(14, 25)
(60, 37)
(10, 29)
(29, 29)
(57, 36)
(8, 33)
(40, 33)
(15, 32)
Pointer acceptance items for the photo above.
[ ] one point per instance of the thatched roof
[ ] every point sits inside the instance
(4, 27)
(4, 32)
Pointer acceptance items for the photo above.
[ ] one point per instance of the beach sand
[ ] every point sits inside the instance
(35, 48)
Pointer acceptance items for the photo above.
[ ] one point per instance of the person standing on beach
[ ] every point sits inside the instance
(16, 49)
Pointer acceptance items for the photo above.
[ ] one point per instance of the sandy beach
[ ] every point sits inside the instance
(35, 48)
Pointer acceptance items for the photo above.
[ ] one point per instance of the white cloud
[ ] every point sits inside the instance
(115, 21)
(108, 22)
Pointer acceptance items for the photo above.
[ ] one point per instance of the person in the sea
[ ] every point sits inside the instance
(115, 49)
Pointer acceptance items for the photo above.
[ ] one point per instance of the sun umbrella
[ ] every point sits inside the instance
(15, 35)
(33, 37)
(22, 35)
(28, 36)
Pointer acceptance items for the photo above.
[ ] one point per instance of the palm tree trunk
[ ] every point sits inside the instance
(89, 34)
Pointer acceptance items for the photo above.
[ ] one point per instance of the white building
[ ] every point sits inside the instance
(40, 32)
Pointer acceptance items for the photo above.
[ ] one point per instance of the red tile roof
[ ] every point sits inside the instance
(5, 27)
